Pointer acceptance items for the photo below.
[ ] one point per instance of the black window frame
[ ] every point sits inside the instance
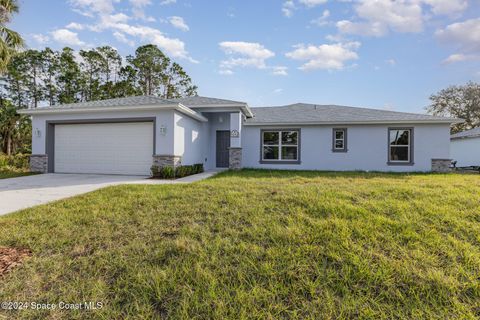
(334, 139)
(411, 152)
(280, 161)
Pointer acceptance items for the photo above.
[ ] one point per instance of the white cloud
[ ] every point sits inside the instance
(278, 91)
(122, 38)
(279, 71)
(138, 9)
(322, 20)
(391, 62)
(173, 47)
(178, 23)
(380, 16)
(75, 26)
(118, 24)
(67, 37)
(312, 3)
(287, 8)
(447, 7)
(40, 38)
(225, 72)
(167, 2)
(464, 37)
(377, 18)
(244, 54)
(87, 7)
(325, 56)
(460, 57)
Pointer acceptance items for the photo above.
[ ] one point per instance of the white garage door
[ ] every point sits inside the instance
(108, 148)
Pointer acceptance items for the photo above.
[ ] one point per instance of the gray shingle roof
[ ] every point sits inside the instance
(198, 101)
(475, 132)
(118, 102)
(309, 113)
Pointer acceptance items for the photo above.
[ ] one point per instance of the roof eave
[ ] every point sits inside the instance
(310, 123)
(465, 137)
(243, 106)
(176, 106)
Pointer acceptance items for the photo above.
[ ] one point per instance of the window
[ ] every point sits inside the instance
(339, 141)
(400, 146)
(280, 146)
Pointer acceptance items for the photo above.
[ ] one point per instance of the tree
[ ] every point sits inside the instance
(10, 41)
(50, 69)
(92, 66)
(68, 79)
(459, 102)
(151, 64)
(157, 75)
(14, 128)
(178, 83)
(32, 60)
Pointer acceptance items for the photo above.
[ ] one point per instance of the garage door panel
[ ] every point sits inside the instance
(110, 148)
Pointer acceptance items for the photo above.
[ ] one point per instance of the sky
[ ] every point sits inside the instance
(385, 54)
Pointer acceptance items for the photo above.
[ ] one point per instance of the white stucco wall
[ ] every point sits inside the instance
(163, 143)
(190, 139)
(367, 148)
(466, 151)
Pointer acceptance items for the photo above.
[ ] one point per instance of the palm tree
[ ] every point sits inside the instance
(10, 41)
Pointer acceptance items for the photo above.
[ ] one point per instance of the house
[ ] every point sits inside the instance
(465, 148)
(128, 135)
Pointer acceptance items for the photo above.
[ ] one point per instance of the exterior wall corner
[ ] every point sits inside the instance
(39, 163)
(161, 160)
(235, 158)
(441, 165)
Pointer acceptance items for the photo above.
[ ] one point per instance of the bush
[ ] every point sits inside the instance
(197, 168)
(179, 172)
(183, 171)
(162, 172)
(167, 173)
(14, 162)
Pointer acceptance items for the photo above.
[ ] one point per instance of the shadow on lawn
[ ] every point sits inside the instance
(288, 174)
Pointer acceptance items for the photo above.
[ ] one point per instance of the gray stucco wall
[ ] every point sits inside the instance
(216, 121)
(190, 139)
(466, 151)
(367, 148)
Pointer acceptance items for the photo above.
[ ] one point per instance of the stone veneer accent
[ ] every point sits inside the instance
(235, 158)
(39, 163)
(162, 160)
(441, 165)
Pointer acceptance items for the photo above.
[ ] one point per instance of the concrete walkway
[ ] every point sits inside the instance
(25, 192)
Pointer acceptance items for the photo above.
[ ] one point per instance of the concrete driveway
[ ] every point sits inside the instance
(25, 192)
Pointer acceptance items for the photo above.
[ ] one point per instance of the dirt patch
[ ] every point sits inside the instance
(11, 258)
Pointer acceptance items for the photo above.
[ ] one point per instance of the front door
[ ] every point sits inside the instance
(223, 144)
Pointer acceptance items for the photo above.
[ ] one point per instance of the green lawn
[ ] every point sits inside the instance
(256, 244)
(13, 174)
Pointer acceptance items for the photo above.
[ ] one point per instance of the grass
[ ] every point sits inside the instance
(256, 244)
(6, 174)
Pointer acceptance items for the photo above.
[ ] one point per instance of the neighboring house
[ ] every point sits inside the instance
(128, 135)
(465, 148)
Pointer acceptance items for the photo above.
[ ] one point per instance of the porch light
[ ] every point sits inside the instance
(37, 132)
(162, 130)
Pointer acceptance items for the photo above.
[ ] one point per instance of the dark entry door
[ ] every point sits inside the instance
(223, 143)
